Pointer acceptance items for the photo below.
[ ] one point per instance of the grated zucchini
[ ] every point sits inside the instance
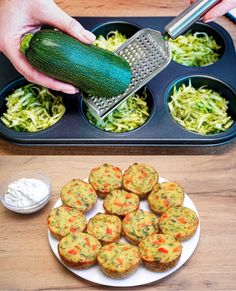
(32, 108)
(200, 110)
(195, 49)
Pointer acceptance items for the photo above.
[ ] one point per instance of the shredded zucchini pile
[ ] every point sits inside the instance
(129, 115)
(201, 110)
(111, 42)
(32, 108)
(133, 112)
(195, 49)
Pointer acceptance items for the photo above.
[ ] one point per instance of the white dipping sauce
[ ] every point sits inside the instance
(26, 192)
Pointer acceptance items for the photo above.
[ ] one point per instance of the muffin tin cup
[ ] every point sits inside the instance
(124, 27)
(211, 31)
(208, 82)
(150, 102)
(160, 129)
(12, 86)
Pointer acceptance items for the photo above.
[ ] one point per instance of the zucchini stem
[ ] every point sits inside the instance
(25, 43)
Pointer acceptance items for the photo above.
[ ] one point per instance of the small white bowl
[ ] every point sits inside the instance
(26, 209)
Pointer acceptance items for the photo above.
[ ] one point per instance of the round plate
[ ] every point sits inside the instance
(142, 275)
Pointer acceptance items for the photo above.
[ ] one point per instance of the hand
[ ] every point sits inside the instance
(20, 17)
(219, 9)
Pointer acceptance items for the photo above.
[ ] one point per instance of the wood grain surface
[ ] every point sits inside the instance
(27, 263)
(121, 8)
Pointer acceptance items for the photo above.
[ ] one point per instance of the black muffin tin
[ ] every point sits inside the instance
(160, 128)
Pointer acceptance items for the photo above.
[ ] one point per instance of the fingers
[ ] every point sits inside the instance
(219, 10)
(69, 25)
(37, 14)
(33, 76)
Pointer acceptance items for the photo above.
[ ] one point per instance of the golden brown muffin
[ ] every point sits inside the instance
(121, 202)
(105, 179)
(119, 260)
(139, 224)
(170, 194)
(79, 250)
(180, 222)
(156, 187)
(160, 252)
(79, 194)
(140, 179)
(64, 219)
(105, 227)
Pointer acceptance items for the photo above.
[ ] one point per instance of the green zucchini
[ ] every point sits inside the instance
(93, 70)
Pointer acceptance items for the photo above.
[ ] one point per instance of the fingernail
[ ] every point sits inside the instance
(71, 91)
(89, 35)
(208, 20)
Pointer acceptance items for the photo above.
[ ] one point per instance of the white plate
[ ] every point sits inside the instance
(142, 275)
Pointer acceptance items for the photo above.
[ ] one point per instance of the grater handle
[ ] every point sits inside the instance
(188, 17)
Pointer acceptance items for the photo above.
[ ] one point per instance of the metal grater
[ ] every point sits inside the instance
(148, 54)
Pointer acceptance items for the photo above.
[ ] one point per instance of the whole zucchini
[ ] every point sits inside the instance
(95, 71)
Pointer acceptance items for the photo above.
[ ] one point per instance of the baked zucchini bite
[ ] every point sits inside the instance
(64, 219)
(138, 225)
(160, 252)
(79, 194)
(156, 187)
(119, 260)
(79, 250)
(169, 194)
(105, 227)
(105, 179)
(121, 202)
(180, 222)
(140, 179)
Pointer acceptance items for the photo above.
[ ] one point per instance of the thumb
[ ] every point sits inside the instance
(62, 21)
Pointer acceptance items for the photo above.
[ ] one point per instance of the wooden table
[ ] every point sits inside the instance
(28, 263)
(121, 8)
